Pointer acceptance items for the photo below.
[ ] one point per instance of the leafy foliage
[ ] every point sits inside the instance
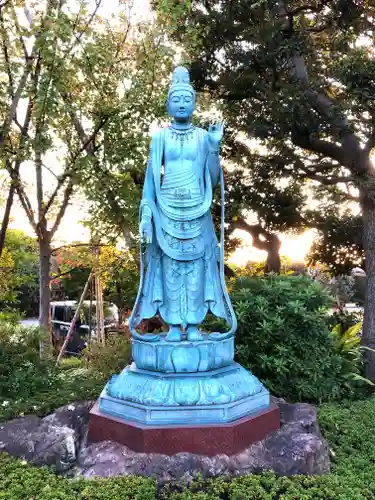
(21, 481)
(283, 337)
(29, 384)
(20, 274)
(338, 244)
(111, 358)
(295, 82)
(6, 270)
(118, 270)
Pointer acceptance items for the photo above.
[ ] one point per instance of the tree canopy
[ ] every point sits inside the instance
(79, 94)
(282, 74)
(299, 77)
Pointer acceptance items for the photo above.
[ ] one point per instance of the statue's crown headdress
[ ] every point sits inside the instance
(181, 81)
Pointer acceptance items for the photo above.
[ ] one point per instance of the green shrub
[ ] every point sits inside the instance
(105, 360)
(19, 481)
(283, 337)
(10, 316)
(267, 486)
(29, 384)
(348, 428)
(22, 372)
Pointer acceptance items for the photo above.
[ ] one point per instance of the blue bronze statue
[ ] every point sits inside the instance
(185, 269)
(183, 376)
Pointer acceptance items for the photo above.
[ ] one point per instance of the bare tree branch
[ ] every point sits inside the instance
(17, 95)
(5, 41)
(76, 245)
(351, 149)
(308, 8)
(25, 202)
(255, 231)
(83, 31)
(325, 167)
(330, 180)
(22, 41)
(67, 195)
(6, 215)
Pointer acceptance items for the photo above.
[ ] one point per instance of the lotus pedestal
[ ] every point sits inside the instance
(186, 396)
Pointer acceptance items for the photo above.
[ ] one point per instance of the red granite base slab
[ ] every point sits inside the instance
(207, 440)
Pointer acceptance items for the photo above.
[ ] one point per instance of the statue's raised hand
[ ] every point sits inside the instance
(145, 230)
(215, 134)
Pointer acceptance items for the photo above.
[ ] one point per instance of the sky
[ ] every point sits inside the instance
(71, 228)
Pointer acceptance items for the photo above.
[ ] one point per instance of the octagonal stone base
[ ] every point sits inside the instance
(209, 440)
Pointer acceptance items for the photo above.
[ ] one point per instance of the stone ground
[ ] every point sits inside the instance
(59, 440)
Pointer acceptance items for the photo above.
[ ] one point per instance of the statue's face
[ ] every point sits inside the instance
(181, 105)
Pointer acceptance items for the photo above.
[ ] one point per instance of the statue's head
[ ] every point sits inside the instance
(181, 96)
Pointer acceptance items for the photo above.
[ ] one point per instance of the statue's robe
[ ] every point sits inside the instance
(182, 281)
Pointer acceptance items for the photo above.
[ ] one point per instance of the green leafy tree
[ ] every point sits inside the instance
(279, 210)
(19, 270)
(338, 244)
(113, 176)
(300, 77)
(79, 77)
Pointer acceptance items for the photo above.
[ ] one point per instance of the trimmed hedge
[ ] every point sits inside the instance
(19, 481)
(347, 427)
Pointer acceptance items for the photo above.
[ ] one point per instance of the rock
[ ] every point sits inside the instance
(302, 413)
(290, 451)
(54, 440)
(75, 416)
(59, 440)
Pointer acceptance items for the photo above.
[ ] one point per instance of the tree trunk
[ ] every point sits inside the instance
(6, 217)
(273, 262)
(263, 240)
(44, 283)
(368, 335)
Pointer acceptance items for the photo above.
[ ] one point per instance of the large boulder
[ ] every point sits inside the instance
(54, 440)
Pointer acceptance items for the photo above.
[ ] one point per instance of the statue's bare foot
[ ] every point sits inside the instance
(193, 333)
(174, 334)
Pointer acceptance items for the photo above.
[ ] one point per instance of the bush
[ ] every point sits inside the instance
(267, 486)
(10, 316)
(29, 384)
(283, 337)
(22, 372)
(20, 481)
(105, 360)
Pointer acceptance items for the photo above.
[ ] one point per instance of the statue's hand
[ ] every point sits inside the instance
(145, 230)
(215, 134)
